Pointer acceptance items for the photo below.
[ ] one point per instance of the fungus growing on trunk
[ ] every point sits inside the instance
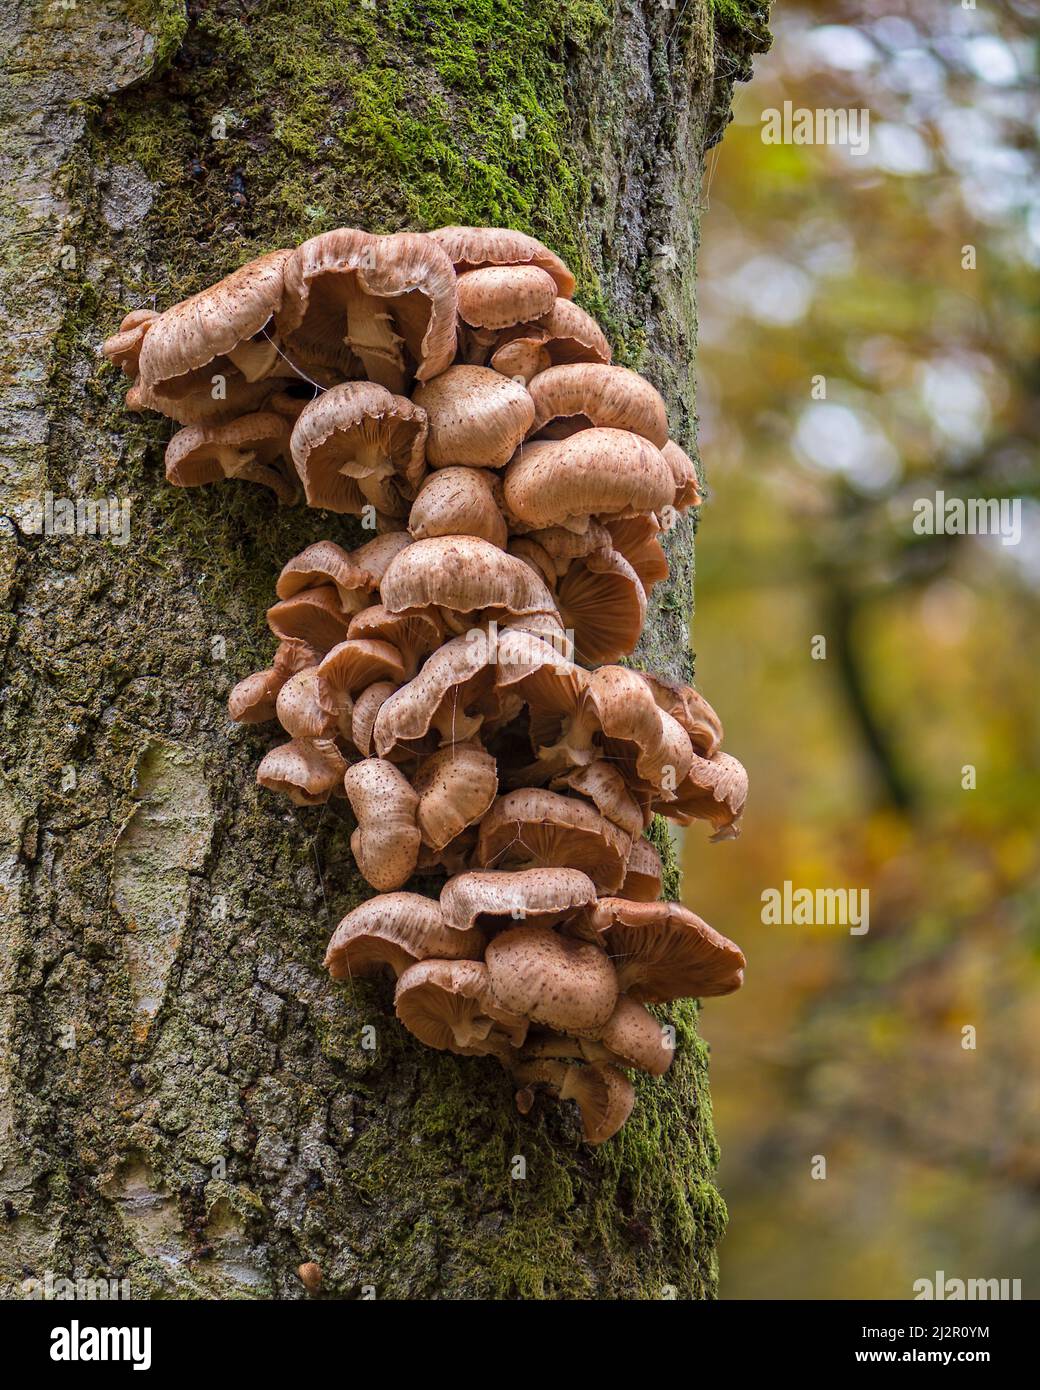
(253, 448)
(386, 841)
(476, 417)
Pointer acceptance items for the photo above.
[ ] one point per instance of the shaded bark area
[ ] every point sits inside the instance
(185, 1099)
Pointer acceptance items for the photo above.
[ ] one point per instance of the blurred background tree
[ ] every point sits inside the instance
(868, 338)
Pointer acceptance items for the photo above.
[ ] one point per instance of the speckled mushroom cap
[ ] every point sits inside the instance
(396, 930)
(390, 299)
(123, 349)
(597, 472)
(252, 448)
(458, 502)
(446, 1005)
(308, 708)
(602, 784)
(448, 698)
(456, 786)
(254, 699)
(462, 574)
(636, 538)
(476, 417)
(385, 844)
(363, 717)
(359, 444)
(690, 709)
(358, 662)
(199, 405)
(637, 1039)
(414, 635)
(497, 898)
(218, 323)
(662, 951)
(471, 248)
(643, 873)
(537, 828)
(325, 562)
(315, 616)
(556, 980)
(715, 789)
(583, 394)
(636, 731)
(498, 297)
(307, 771)
(684, 474)
(573, 335)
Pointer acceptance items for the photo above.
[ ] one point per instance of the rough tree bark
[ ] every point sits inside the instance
(185, 1100)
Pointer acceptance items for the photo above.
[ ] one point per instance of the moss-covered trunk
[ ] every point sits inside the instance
(185, 1099)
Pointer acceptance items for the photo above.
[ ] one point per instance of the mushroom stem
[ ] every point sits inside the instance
(371, 336)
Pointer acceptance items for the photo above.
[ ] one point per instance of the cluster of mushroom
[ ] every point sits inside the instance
(454, 676)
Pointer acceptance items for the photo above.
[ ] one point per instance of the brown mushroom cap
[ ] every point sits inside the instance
(684, 473)
(662, 951)
(522, 358)
(637, 1039)
(596, 472)
(450, 696)
(123, 349)
(358, 444)
(216, 323)
(603, 602)
(556, 980)
(307, 707)
(462, 574)
(414, 635)
(307, 771)
(573, 335)
(499, 297)
(458, 502)
(604, 1096)
(396, 930)
(715, 789)
(690, 709)
(203, 405)
(313, 615)
(363, 718)
(643, 873)
(636, 538)
(583, 394)
(537, 897)
(253, 699)
(471, 248)
(386, 841)
(543, 829)
(604, 786)
(456, 785)
(355, 664)
(476, 417)
(325, 562)
(446, 1005)
(389, 299)
(252, 447)
(645, 742)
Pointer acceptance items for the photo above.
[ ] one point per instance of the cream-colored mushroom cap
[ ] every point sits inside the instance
(386, 841)
(637, 1039)
(359, 444)
(471, 248)
(396, 930)
(313, 615)
(583, 394)
(307, 771)
(556, 980)
(252, 448)
(456, 786)
(476, 417)
(446, 1005)
(389, 299)
(662, 951)
(715, 789)
(222, 321)
(597, 472)
(463, 574)
(537, 897)
(544, 829)
(643, 873)
(499, 297)
(458, 502)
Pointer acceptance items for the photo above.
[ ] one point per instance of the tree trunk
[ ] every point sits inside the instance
(186, 1101)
